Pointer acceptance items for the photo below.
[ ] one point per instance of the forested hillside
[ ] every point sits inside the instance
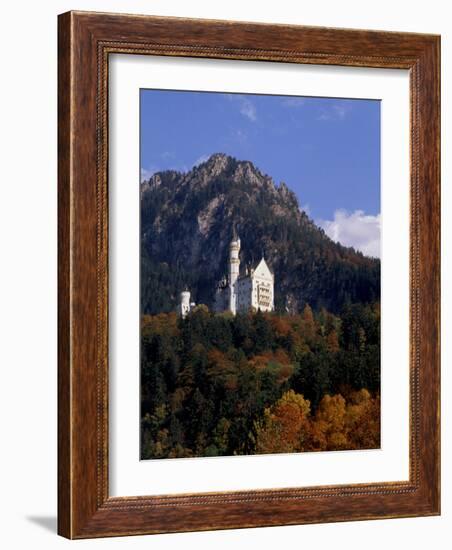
(217, 384)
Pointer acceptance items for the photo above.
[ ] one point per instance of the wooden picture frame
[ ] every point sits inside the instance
(86, 40)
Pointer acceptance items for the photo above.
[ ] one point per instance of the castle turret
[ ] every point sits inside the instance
(185, 305)
(234, 267)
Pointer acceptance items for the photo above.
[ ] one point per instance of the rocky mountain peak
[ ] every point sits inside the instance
(246, 171)
(217, 163)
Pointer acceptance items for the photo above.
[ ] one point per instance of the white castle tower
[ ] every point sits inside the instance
(184, 305)
(234, 268)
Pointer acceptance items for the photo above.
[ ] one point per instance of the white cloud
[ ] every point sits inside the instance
(293, 102)
(147, 173)
(167, 155)
(201, 159)
(340, 111)
(248, 109)
(324, 115)
(356, 229)
(240, 136)
(306, 208)
(334, 112)
(246, 106)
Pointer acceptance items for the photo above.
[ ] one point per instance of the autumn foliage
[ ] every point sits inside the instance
(338, 424)
(217, 384)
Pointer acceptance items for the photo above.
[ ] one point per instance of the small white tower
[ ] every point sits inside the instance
(184, 306)
(234, 267)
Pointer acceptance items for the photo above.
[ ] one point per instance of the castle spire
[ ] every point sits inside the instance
(234, 231)
(234, 269)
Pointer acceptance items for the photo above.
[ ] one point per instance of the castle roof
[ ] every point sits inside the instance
(251, 269)
(264, 265)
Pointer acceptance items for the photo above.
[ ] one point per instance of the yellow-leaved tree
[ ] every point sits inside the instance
(284, 426)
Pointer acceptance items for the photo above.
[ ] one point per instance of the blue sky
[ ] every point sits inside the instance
(327, 150)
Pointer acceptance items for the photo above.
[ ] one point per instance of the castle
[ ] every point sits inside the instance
(252, 290)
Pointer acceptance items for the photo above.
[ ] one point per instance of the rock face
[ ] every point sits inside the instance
(186, 227)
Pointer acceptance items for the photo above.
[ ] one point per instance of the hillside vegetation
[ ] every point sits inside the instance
(217, 384)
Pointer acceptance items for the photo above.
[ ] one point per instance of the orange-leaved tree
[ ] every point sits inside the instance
(284, 425)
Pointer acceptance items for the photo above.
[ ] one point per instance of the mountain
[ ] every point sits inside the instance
(186, 226)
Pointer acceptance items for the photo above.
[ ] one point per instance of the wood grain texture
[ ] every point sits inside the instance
(85, 42)
(64, 295)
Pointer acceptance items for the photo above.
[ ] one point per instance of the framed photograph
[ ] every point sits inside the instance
(248, 275)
